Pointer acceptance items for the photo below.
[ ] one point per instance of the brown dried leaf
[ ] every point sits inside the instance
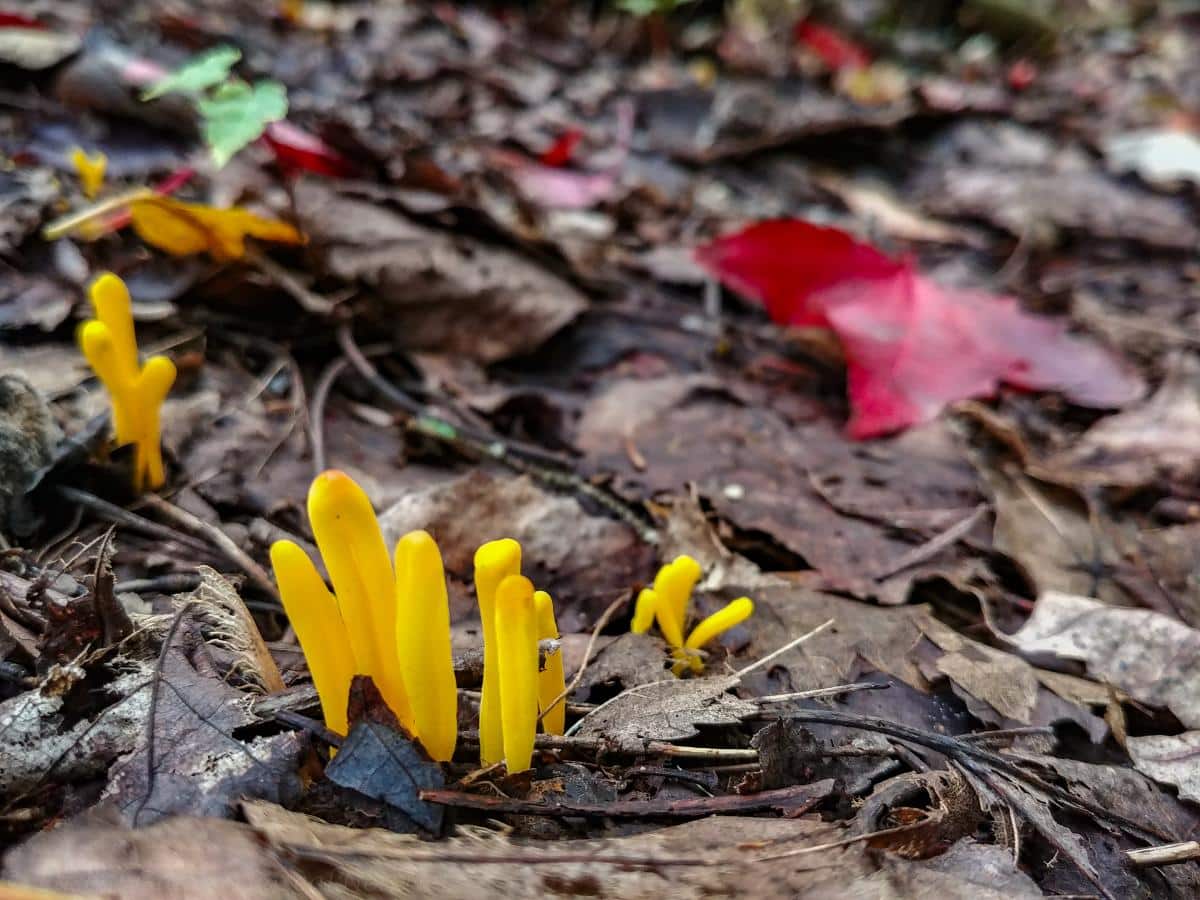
(1161, 437)
(667, 710)
(1169, 759)
(183, 857)
(1153, 658)
(188, 760)
(435, 290)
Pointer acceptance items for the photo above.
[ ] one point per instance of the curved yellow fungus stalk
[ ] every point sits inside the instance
(643, 612)
(356, 557)
(90, 169)
(673, 586)
(153, 385)
(517, 664)
(494, 561)
(314, 615)
(137, 392)
(423, 642)
(733, 613)
(551, 680)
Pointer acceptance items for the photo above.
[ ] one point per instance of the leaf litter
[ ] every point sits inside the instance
(461, 269)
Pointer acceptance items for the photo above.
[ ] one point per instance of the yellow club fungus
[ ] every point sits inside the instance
(516, 660)
(733, 613)
(314, 615)
(494, 561)
(423, 642)
(667, 603)
(356, 557)
(551, 680)
(136, 392)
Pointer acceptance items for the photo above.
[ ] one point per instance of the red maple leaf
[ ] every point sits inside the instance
(911, 345)
(831, 46)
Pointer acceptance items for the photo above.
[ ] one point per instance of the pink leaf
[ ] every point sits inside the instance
(911, 345)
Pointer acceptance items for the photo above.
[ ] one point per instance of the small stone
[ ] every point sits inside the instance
(734, 492)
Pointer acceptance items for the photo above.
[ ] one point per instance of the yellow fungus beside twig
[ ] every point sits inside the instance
(517, 664)
(551, 680)
(494, 561)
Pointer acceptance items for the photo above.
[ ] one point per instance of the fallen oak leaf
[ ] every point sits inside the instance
(186, 229)
(911, 345)
(666, 710)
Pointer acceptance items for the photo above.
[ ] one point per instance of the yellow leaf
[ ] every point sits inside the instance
(185, 229)
(90, 170)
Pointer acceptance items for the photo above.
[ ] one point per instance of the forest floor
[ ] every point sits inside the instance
(886, 319)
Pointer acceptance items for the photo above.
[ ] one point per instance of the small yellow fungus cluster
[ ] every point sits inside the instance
(393, 624)
(90, 168)
(667, 603)
(136, 391)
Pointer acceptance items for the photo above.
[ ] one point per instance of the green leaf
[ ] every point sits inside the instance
(197, 74)
(237, 113)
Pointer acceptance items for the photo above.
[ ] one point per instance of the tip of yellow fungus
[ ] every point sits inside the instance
(502, 554)
(107, 286)
(733, 613)
(95, 338)
(688, 566)
(643, 611)
(158, 374)
(330, 490)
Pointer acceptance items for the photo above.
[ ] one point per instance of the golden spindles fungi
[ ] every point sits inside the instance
(673, 587)
(494, 561)
(314, 615)
(733, 613)
(137, 392)
(643, 611)
(667, 603)
(551, 680)
(423, 642)
(517, 663)
(356, 557)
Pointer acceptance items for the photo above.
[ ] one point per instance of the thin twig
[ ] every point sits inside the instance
(834, 691)
(741, 673)
(110, 512)
(316, 416)
(934, 545)
(220, 540)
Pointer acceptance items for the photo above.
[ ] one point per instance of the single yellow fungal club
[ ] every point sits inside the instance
(136, 391)
(551, 680)
(517, 664)
(356, 557)
(494, 561)
(90, 169)
(423, 642)
(667, 604)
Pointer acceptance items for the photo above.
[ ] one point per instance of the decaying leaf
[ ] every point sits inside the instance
(185, 857)
(187, 759)
(186, 229)
(435, 291)
(1159, 438)
(1048, 531)
(1169, 759)
(1153, 658)
(667, 710)
(379, 760)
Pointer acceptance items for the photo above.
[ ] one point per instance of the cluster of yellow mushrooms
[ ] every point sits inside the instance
(388, 615)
